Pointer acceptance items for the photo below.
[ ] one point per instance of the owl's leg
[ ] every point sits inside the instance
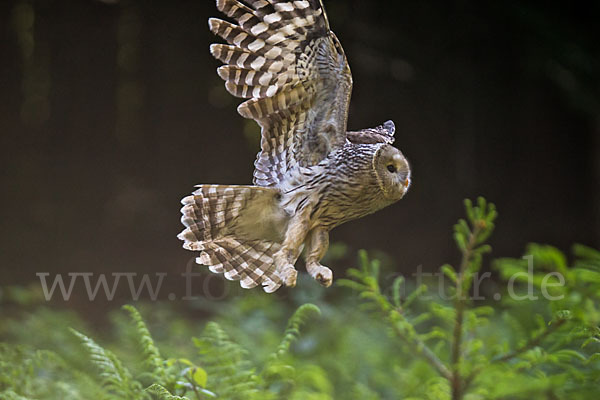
(317, 244)
(286, 257)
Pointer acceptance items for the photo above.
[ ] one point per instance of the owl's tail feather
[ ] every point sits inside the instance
(210, 216)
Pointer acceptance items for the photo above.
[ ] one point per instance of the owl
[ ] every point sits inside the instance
(311, 175)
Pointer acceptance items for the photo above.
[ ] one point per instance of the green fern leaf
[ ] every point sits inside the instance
(230, 374)
(115, 377)
(152, 356)
(302, 314)
(162, 393)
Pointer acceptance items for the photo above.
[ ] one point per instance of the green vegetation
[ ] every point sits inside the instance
(534, 333)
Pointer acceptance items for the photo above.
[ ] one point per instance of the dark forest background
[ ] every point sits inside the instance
(110, 112)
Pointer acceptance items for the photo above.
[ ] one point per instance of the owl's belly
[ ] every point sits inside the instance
(337, 207)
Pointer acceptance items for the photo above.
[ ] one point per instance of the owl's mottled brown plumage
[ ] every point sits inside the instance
(310, 175)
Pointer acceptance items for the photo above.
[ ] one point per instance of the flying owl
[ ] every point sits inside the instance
(310, 175)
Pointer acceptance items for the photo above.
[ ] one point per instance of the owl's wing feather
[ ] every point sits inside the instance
(284, 59)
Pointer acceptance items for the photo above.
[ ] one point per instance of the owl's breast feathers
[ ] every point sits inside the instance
(341, 188)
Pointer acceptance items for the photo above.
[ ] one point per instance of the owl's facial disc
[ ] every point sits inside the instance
(393, 172)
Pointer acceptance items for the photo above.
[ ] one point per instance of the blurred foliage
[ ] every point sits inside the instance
(373, 338)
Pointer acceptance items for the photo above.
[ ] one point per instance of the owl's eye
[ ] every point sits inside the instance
(391, 168)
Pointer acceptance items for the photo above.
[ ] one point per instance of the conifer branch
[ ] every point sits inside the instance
(460, 304)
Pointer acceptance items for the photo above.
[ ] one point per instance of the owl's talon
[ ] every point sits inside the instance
(288, 275)
(320, 273)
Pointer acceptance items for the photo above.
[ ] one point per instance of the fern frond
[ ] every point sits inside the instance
(152, 357)
(230, 374)
(292, 332)
(161, 393)
(115, 377)
(11, 395)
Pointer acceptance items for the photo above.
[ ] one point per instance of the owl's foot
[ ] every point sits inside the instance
(285, 269)
(320, 273)
(288, 275)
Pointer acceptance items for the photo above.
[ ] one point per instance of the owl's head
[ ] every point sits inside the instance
(392, 171)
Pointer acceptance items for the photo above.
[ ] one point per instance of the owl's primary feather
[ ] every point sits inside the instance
(283, 57)
(311, 174)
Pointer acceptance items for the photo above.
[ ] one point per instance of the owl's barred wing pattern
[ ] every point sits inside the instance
(249, 261)
(208, 215)
(283, 57)
(311, 174)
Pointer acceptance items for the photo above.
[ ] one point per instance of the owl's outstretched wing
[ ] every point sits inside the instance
(283, 57)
